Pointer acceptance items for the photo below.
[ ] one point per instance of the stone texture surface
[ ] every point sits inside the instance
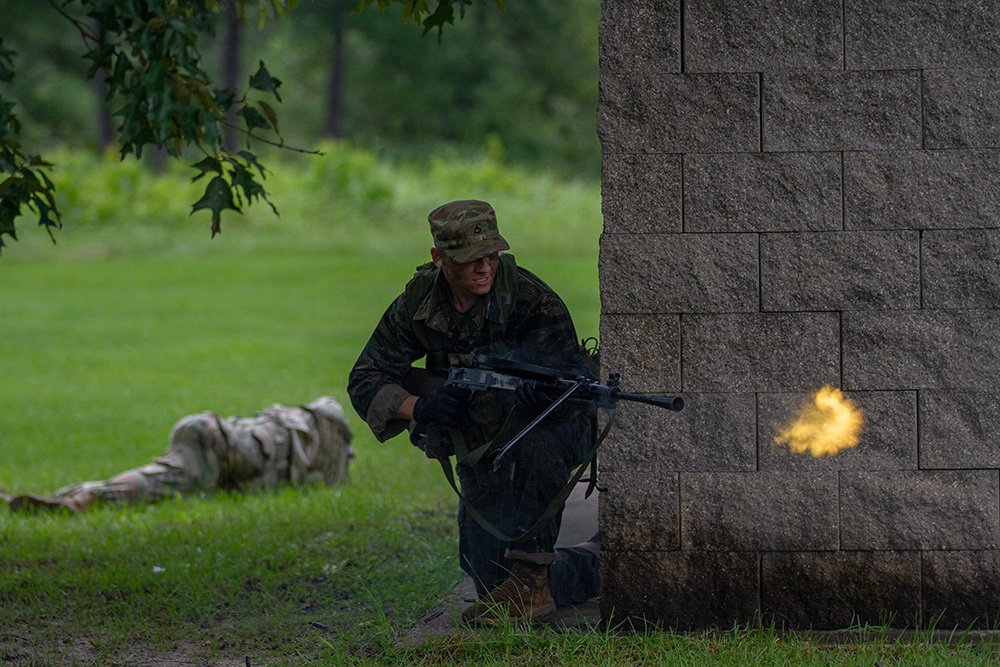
(962, 588)
(903, 34)
(762, 35)
(840, 271)
(641, 194)
(640, 34)
(925, 349)
(760, 351)
(714, 432)
(961, 108)
(800, 193)
(762, 192)
(888, 439)
(830, 111)
(649, 112)
(758, 511)
(922, 189)
(679, 590)
(960, 429)
(961, 268)
(678, 273)
(641, 511)
(927, 510)
(833, 590)
(644, 349)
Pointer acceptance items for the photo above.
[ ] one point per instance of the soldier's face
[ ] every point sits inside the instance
(472, 279)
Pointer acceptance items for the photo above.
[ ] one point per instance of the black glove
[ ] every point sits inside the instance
(444, 406)
(438, 447)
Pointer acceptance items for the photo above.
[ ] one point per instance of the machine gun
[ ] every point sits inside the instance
(486, 372)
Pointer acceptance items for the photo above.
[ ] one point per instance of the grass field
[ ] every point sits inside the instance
(136, 318)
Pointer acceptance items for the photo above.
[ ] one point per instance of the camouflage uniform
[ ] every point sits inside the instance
(282, 444)
(523, 319)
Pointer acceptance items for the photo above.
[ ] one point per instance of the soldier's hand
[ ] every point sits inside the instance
(436, 446)
(446, 406)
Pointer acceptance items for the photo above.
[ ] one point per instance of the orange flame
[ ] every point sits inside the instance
(828, 425)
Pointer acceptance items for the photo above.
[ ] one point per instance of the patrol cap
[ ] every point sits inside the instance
(466, 230)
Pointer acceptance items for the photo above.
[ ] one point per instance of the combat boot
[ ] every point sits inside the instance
(524, 595)
(30, 502)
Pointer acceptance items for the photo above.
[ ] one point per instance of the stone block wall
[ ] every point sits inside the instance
(800, 193)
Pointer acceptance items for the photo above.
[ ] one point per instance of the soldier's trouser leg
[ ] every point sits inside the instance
(192, 462)
(514, 498)
(573, 578)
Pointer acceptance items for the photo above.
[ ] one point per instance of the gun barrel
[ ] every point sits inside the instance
(675, 403)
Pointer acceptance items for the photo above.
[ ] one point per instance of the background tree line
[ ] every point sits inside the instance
(522, 81)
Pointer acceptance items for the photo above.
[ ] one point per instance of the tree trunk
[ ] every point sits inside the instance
(105, 121)
(334, 126)
(231, 72)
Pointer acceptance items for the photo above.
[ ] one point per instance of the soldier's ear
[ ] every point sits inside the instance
(437, 256)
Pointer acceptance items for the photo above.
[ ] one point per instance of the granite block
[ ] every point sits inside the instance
(888, 438)
(902, 34)
(678, 590)
(644, 349)
(841, 589)
(760, 352)
(961, 589)
(922, 189)
(641, 194)
(762, 35)
(640, 510)
(758, 511)
(961, 268)
(714, 432)
(927, 510)
(678, 273)
(640, 35)
(649, 112)
(840, 271)
(926, 349)
(762, 192)
(961, 108)
(830, 111)
(959, 429)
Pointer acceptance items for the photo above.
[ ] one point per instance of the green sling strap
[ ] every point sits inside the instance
(473, 457)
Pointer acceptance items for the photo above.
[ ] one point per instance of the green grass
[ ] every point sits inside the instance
(136, 318)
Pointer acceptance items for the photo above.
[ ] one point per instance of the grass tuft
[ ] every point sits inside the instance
(136, 318)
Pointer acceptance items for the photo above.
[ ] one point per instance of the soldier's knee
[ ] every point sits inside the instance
(198, 430)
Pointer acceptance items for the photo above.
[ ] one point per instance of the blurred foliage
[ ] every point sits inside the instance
(519, 82)
(523, 80)
(146, 55)
(418, 11)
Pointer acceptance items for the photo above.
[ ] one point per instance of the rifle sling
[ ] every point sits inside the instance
(554, 507)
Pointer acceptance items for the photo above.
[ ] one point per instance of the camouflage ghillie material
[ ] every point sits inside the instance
(466, 230)
(522, 319)
(281, 445)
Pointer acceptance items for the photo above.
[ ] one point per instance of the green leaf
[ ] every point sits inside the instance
(272, 116)
(206, 166)
(218, 197)
(252, 161)
(262, 80)
(253, 118)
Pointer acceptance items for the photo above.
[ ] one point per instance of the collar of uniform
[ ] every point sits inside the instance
(435, 309)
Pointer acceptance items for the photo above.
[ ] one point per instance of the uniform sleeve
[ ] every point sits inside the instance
(375, 382)
(548, 337)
